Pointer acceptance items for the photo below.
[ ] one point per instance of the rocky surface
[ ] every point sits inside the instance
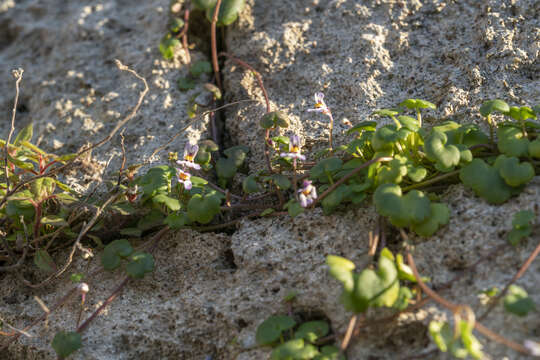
(210, 291)
(73, 93)
(375, 54)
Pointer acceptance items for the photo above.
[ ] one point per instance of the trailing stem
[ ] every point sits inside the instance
(455, 308)
(214, 44)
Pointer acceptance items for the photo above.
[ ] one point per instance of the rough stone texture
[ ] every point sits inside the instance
(211, 291)
(375, 54)
(72, 91)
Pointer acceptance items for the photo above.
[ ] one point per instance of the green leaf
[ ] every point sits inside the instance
(66, 343)
(281, 181)
(249, 185)
(19, 205)
(409, 122)
(157, 179)
(34, 148)
(442, 334)
(152, 219)
(281, 140)
(492, 106)
(176, 25)
(200, 67)
(378, 288)
(171, 203)
(215, 91)
(198, 182)
(291, 295)
(185, 84)
(139, 264)
(332, 200)
(123, 208)
(416, 174)
(414, 207)
(521, 113)
(417, 104)
(177, 220)
(226, 168)
(203, 208)
(324, 167)
(204, 155)
(512, 141)
(437, 149)
(274, 119)
(404, 295)
(485, 182)
(517, 301)
(440, 215)
(65, 198)
(363, 126)
(386, 112)
(393, 171)
(513, 172)
(42, 188)
(20, 163)
(534, 149)
(312, 330)
(384, 138)
(110, 259)
(228, 11)
(24, 135)
(472, 135)
(523, 219)
(44, 261)
(267, 212)
(54, 220)
(271, 329)
(330, 352)
(237, 153)
(294, 208)
(166, 47)
(472, 345)
(76, 277)
(204, 4)
(341, 269)
(135, 232)
(294, 349)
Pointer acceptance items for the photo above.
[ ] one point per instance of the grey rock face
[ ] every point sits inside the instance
(209, 292)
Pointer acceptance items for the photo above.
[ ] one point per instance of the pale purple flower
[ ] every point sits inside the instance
(83, 289)
(533, 347)
(294, 149)
(320, 105)
(190, 151)
(307, 194)
(184, 178)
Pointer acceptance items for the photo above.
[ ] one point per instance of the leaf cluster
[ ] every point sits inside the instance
(292, 341)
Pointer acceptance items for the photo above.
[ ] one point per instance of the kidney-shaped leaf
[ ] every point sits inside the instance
(139, 264)
(66, 343)
(312, 330)
(294, 349)
(270, 329)
(485, 182)
(203, 208)
(512, 171)
(380, 287)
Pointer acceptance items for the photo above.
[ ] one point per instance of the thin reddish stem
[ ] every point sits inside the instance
(213, 41)
(456, 308)
(185, 36)
(519, 274)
